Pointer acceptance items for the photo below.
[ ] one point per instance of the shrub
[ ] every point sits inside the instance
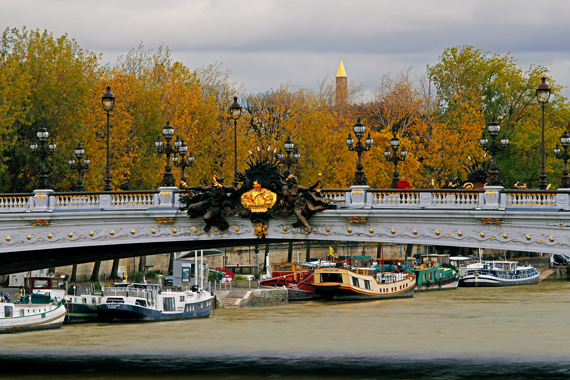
(240, 278)
(137, 276)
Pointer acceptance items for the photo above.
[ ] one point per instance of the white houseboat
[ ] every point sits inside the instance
(500, 273)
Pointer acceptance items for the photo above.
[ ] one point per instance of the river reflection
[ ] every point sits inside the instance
(517, 332)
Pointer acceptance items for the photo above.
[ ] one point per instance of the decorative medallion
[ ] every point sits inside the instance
(349, 230)
(90, 233)
(195, 230)
(70, 234)
(527, 237)
(39, 221)
(482, 234)
(237, 229)
(551, 239)
(50, 236)
(505, 236)
(490, 221)
(29, 237)
(459, 233)
(153, 231)
(328, 229)
(371, 231)
(132, 232)
(356, 192)
(393, 231)
(112, 232)
(491, 192)
(40, 196)
(215, 230)
(258, 199)
(436, 233)
(165, 220)
(260, 230)
(174, 230)
(285, 229)
(356, 219)
(165, 192)
(8, 238)
(306, 229)
(415, 232)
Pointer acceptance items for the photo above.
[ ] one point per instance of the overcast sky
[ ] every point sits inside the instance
(266, 43)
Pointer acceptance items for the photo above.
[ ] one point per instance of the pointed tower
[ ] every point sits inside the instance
(341, 93)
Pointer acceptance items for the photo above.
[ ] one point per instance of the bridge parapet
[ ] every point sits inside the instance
(354, 197)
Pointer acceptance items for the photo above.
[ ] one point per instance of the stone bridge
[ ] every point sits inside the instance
(47, 229)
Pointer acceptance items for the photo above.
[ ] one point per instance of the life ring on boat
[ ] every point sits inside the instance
(394, 279)
(423, 266)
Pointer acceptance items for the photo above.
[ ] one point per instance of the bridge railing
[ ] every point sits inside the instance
(354, 197)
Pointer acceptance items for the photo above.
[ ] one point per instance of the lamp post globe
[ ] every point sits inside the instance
(168, 150)
(543, 95)
(183, 162)
(395, 158)
(291, 155)
(108, 102)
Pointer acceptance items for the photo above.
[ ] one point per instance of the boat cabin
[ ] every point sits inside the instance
(248, 271)
(53, 287)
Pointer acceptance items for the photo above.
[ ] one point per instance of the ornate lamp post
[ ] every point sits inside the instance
(108, 100)
(543, 94)
(565, 156)
(167, 132)
(235, 114)
(183, 162)
(494, 128)
(395, 158)
(359, 130)
(41, 151)
(79, 166)
(289, 159)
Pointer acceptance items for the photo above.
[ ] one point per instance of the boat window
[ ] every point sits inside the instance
(283, 267)
(355, 282)
(140, 302)
(181, 298)
(93, 300)
(84, 300)
(168, 304)
(8, 311)
(331, 277)
(21, 313)
(366, 284)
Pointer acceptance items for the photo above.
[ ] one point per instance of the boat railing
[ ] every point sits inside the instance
(125, 292)
(391, 277)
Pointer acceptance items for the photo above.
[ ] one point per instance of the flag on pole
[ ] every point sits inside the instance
(332, 252)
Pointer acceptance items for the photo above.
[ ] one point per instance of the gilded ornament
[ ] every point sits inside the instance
(153, 231)
(40, 196)
(436, 233)
(165, 220)
(50, 236)
(356, 219)
(505, 236)
(393, 231)
(349, 230)
(39, 221)
(8, 238)
(306, 229)
(482, 234)
(112, 233)
(371, 231)
(415, 232)
(215, 230)
(132, 232)
(260, 230)
(490, 221)
(90, 233)
(527, 237)
(551, 239)
(70, 234)
(328, 229)
(237, 229)
(165, 192)
(174, 230)
(285, 229)
(258, 199)
(491, 192)
(459, 233)
(29, 237)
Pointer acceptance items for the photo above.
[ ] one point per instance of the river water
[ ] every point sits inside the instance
(468, 333)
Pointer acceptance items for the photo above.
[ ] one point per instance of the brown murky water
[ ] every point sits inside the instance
(517, 332)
